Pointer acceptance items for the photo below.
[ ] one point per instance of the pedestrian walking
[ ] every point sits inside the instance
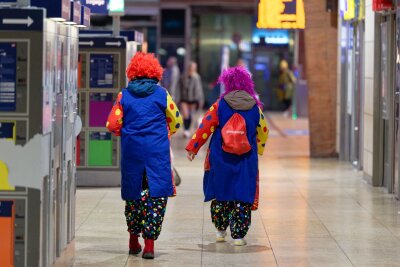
(144, 115)
(170, 80)
(287, 84)
(191, 95)
(239, 133)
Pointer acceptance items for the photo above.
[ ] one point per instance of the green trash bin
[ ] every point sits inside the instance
(100, 149)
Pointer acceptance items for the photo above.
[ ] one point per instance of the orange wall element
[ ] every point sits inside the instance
(7, 233)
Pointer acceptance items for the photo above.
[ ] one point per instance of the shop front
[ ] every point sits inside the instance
(387, 73)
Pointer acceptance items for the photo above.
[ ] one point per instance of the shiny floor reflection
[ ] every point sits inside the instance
(312, 213)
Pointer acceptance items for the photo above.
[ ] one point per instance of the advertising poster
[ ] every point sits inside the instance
(8, 72)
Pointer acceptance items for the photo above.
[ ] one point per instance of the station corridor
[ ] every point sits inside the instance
(313, 212)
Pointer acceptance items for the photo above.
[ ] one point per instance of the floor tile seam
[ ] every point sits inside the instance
(90, 213)
(369, 212)
(269, 241)
(272, 124)
(373, 216)
(202, 239)
(323, 224)
(126, 262)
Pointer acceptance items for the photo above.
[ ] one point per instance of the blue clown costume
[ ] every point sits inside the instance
(230, 180)
(145, 116)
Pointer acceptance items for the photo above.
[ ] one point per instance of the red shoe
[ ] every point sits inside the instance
(134, 246)
(148, 252)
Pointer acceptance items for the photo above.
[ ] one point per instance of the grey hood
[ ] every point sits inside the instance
(240, 100)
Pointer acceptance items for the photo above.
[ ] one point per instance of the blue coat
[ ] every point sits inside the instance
(145, 146)
(232, 177)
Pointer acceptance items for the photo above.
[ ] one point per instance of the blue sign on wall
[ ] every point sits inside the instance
(96, 6)
(6, 208)
(21, 19)
(7, 130)
(8, 76)
(60, 9)
(101, 71)
(102, 42)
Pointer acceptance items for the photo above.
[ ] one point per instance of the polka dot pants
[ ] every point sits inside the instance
(145, 216)
(235, 214)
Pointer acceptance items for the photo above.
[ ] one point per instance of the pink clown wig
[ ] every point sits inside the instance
(238, 78)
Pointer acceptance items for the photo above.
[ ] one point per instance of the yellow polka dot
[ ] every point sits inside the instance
(194, 136)
(118, 112)
(108, 123)
(205, 136)
(120, 121)
(120, 93)
(211, 108)
(212, 129)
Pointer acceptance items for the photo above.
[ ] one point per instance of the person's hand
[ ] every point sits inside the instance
(190, 156)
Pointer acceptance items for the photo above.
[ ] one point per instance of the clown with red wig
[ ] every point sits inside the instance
(239, 132)
(144, 115)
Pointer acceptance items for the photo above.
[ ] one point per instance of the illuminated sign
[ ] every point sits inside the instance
(96, 6)
(281, 14)
(116, 6)
(273, 37)
(361, 9)
(380, 5)
(350, 10)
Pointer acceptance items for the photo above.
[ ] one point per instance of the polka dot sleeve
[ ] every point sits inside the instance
(114, 121)
(262, 133)
(207, 127)
(174, 118)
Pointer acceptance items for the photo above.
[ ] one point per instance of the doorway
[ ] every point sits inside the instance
(389, 105)
(353, 93)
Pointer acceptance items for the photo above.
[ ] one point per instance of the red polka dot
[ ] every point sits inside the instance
(169, 120)
(171, 106)
(265, 129)
(258, 140)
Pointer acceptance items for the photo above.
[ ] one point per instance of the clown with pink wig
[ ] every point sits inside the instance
(238, 131)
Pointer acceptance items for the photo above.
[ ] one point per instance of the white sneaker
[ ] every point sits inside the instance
(239, 242)
(220, 236)
(186, 134)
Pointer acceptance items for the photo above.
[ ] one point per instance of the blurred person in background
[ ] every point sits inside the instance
(191, 96)
(171, 76)
(287, 83)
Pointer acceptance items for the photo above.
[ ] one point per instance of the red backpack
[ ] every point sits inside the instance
(234, 136)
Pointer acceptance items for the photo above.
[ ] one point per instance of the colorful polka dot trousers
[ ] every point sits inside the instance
(235, 214)
(145, 216)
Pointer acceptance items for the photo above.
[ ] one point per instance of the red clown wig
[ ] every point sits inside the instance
(144, 65)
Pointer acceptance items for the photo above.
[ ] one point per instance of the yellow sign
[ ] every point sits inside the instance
(4, 185)
(361, 9)
(350, 12)
(281, 14)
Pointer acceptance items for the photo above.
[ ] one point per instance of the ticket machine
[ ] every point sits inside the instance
(38, 115)
(102, 63)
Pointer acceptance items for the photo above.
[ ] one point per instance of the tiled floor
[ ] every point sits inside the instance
(312, 213)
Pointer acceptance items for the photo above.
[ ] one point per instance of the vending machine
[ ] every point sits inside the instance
(102, 63)
(38, 129)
